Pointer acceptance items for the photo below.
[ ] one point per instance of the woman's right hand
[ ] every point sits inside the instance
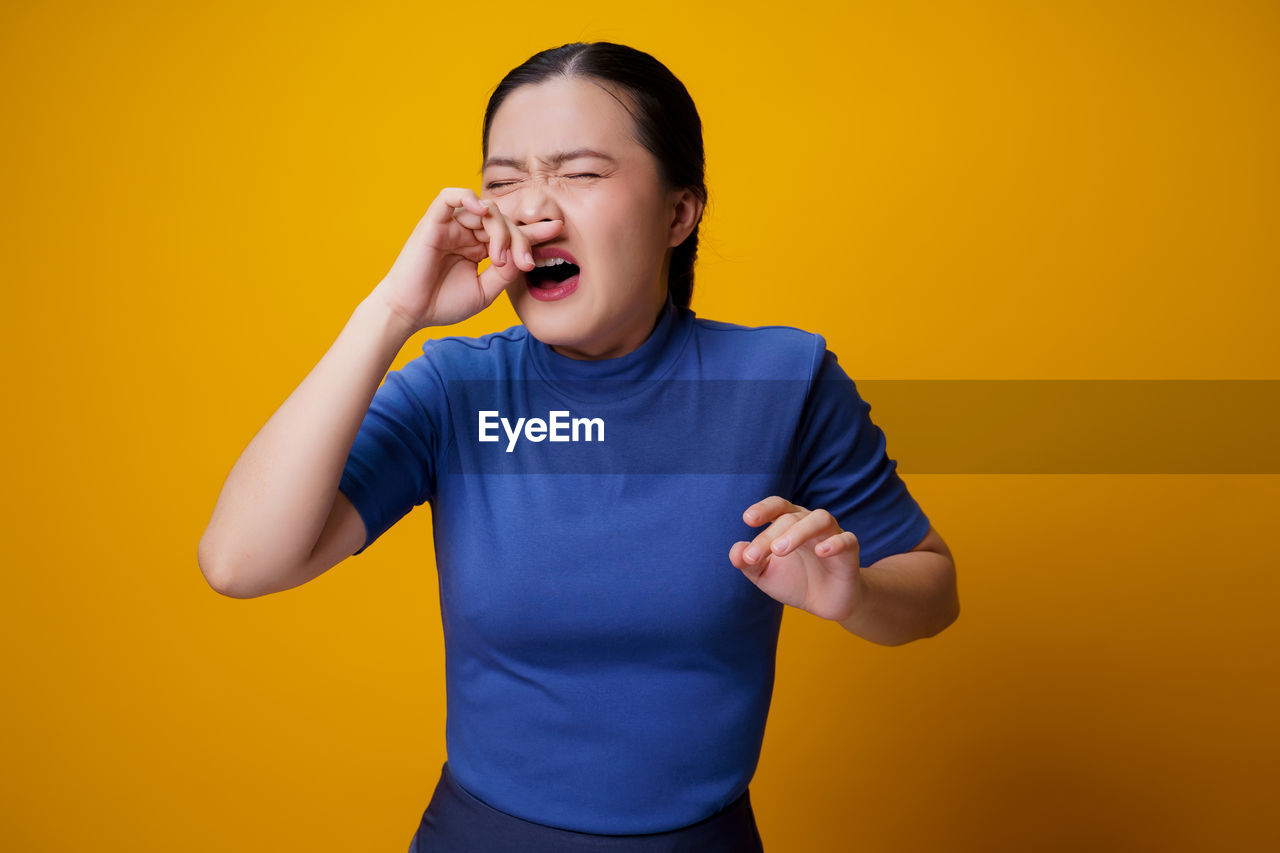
(435, 281)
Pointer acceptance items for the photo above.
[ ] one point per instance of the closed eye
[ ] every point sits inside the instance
(493, 185)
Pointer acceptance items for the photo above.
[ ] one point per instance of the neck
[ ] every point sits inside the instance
(624, 348)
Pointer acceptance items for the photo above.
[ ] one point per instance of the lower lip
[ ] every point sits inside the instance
(551, 294)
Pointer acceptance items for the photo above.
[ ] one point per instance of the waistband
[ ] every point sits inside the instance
(456, 821)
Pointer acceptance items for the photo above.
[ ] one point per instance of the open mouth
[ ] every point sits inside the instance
(554, 275)
(555, 272)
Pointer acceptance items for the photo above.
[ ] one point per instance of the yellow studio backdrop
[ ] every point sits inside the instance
(195, 198)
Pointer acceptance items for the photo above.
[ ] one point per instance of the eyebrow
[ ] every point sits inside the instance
(554, 160)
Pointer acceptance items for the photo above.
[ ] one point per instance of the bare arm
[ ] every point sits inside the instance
(806, 560)
(265, 534)
(908, 596)
(280, 520)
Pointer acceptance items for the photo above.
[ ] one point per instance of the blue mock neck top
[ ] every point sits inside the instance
(607, 669)
(652, 360)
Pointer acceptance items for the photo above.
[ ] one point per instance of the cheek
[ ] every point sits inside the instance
(627, 220)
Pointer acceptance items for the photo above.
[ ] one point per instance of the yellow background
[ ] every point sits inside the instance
(196, 198)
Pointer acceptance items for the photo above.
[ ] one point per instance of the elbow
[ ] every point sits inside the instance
(953, 613)
(948, 611)
(945, 619)
(952, 610)
(219, 575)
(236, 577)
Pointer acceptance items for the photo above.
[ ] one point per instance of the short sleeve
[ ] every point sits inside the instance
(844, 467)
(392, 464)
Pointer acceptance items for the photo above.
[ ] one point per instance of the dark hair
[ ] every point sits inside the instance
(666, 122)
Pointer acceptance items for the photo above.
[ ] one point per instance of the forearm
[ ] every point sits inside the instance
(278, 495)
(905, 597)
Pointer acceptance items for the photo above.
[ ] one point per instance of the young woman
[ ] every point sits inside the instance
(624, 496)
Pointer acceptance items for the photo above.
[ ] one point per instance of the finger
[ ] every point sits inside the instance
(761, 546)
(440, 211)
(445, 209)
(521, 249)
(751, 570)
(540, 232)
(841, 542)
(499, 230)
(767, 510)
(483, 239)
(495, 279)
(817, 523)
(536, 231)
(525, 237)
(467, 219)
(500, 276)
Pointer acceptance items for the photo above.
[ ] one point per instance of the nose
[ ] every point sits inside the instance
(534, 203)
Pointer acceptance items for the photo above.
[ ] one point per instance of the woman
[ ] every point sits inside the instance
(598, 478)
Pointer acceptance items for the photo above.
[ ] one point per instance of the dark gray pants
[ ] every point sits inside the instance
(457, 822)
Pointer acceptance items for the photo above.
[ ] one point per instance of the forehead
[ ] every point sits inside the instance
(561, 114)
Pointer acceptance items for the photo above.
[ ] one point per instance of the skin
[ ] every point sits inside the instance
(804, 559)
(280, 519)
(620, 221)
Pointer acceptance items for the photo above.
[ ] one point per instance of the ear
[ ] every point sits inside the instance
(685, 216)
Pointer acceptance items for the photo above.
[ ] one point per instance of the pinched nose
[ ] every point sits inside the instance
(531, 202)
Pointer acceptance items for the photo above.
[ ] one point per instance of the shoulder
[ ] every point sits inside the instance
(461, 347)
(787, 350)
(455, 357)
(474, 357)
(755, 335)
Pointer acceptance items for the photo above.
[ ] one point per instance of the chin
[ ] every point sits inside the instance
(555, 334)
(551, 323)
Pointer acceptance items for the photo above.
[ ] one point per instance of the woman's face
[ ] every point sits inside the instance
(620, 221)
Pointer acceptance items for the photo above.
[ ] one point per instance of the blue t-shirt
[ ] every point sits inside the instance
(608, 670)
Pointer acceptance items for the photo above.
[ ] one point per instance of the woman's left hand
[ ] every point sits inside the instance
(803, 558)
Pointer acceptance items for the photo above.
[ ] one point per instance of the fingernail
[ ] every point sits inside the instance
(751, 554)
(502, 257)
(485, 203)
(780, 545)
(528, 258)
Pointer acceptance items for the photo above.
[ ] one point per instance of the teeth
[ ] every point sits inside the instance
(549, 262)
